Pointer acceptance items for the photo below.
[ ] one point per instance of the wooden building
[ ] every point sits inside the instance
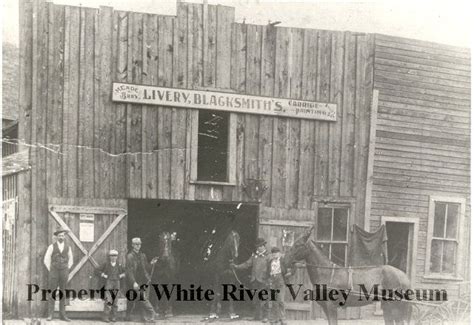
(100, 161)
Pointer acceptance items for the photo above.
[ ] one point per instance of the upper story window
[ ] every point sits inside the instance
(213, 146)
(444, 236)
(332, 234)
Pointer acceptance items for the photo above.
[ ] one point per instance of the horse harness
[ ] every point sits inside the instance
(350, 275)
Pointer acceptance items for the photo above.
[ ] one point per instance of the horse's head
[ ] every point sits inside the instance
(165, 243)
(299, 250)
(234, 242)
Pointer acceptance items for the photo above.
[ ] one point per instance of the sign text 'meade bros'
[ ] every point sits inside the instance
(199, 99)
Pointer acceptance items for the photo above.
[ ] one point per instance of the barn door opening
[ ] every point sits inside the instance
(196, 224)
(402, 233)
(95, 227)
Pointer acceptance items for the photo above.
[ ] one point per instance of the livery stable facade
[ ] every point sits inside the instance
(131, 121)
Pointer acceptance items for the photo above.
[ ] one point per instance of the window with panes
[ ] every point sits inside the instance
(332, 234)
(444, 239)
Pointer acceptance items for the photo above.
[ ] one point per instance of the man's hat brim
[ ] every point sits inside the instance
(260, 242)
(57, 232)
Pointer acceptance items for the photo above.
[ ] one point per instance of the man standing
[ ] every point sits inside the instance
(258, 262)
(137, 270)
(111, 272)
(58, 260)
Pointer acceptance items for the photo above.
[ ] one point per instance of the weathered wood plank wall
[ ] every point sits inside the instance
(422, 143)
(100, 149)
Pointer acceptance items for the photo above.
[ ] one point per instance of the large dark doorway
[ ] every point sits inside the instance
(195, 223)
(397, 244)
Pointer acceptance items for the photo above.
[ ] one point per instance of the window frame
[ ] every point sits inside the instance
(231, 145)
(333, 203)
(460, 235)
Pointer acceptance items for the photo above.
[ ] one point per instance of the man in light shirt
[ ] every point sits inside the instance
(58, 260)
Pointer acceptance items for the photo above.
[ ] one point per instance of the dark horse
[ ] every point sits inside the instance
(217, 260)
(166, 269)
(322, 271)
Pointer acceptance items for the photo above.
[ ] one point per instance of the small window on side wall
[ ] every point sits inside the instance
(444, 236)
(213, 146)
(332, 234)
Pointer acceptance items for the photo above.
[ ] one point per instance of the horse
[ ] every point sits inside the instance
(217, 262)
(166, 268)
(322, 271)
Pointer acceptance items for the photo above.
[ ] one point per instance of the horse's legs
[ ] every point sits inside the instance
(332, 314)
(330, 311)
(388, 311)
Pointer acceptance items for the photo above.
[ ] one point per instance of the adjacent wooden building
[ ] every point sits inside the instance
(399, 141)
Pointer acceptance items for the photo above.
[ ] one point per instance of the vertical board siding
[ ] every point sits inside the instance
(108, 150)
(422, 144)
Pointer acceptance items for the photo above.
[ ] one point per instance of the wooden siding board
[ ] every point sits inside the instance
(423, 116)
(426, 76)
(165, 78)
(414, 91)
(280, 125)
(395, 62)
(364, 91)
(267, 83)
(436, 86)
(336, 96)
(307, 137)
(150, 118)
(422, 148)
(120, 111)
(86, 105)
(431, 54)
(55, 97)
(295, 67)
(252, 86)
(425, 63)
(70, 109)
(178, 116)
(424, 46)
(225, 18)
(238, 73)
(348, 122)
(134, 112)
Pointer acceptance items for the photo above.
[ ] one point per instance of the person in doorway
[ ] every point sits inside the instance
(58, 260)
(111, 272)
(138, 274)
(258, 264)
(276, 273)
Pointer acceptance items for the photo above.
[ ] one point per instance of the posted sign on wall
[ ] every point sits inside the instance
(151, 95)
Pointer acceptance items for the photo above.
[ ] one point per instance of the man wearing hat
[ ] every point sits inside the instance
(58, 260)
(111, 272)
(138, 273)
(258, 264)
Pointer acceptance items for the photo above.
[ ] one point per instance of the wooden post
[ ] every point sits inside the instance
(370, 158)
(21, 305)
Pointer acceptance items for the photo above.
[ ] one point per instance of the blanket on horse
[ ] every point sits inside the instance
(368, 248)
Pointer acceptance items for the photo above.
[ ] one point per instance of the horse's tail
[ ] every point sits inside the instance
(409, 310)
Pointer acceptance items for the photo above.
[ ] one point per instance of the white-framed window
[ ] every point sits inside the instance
(333, 222)
(444, 246)
(213, 147)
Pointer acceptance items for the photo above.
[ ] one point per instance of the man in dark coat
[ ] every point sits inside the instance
(258, 263)
(138, 273)
(111, 272)
(58, 260)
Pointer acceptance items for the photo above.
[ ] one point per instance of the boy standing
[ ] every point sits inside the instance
(276, 281)
(111, 272)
